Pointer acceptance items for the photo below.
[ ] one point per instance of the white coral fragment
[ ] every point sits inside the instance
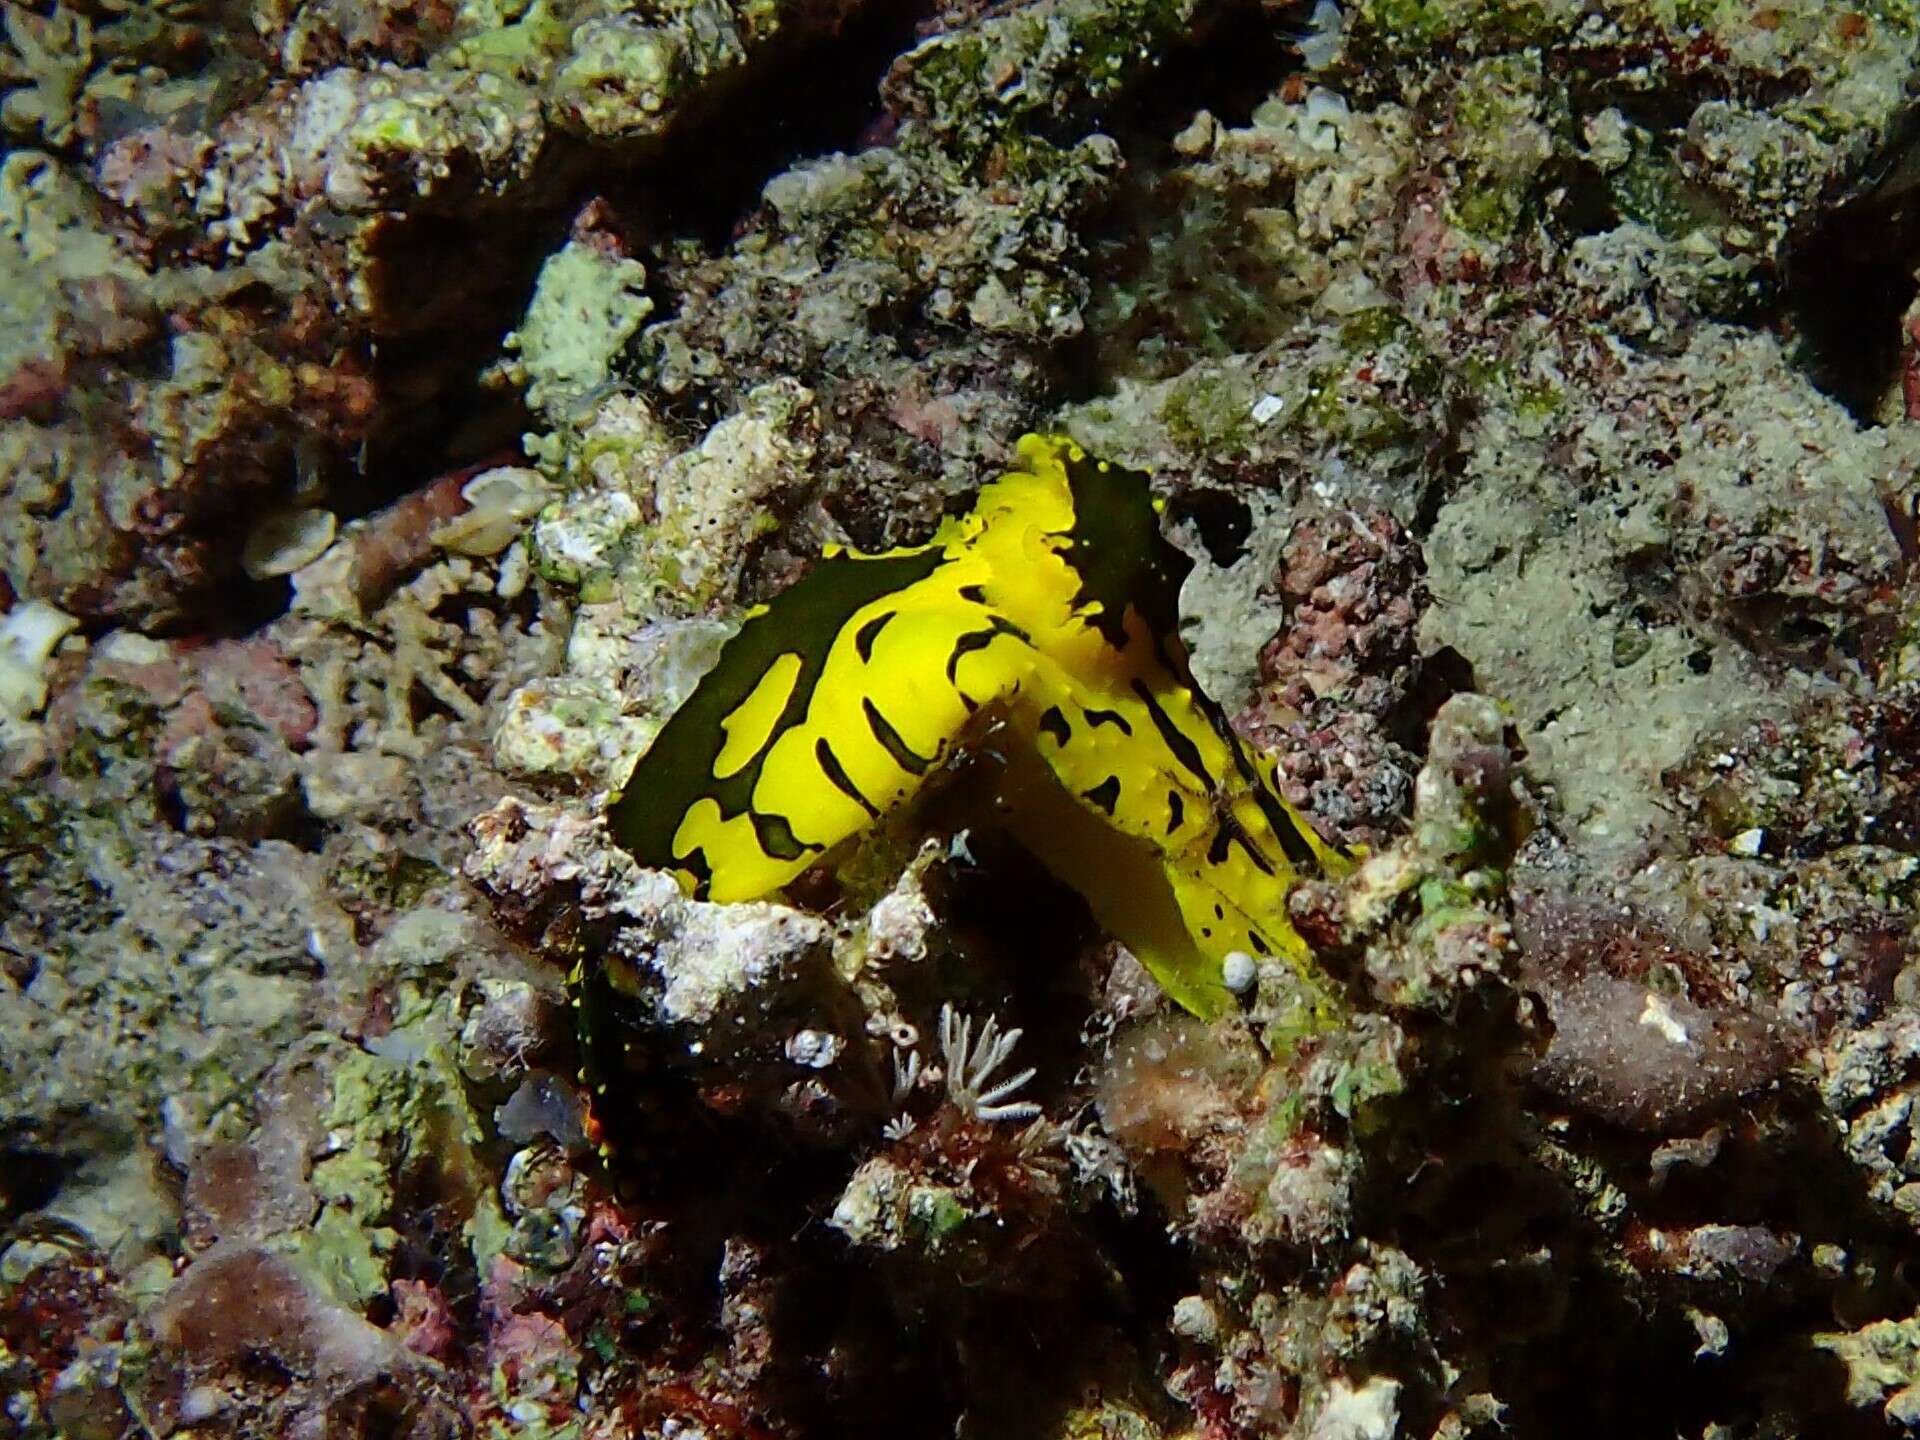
(29, 634)
(286, 540)
(500, 502)
(1322, 45)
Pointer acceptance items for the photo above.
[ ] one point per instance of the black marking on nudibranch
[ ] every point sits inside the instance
(868, 633)
(890, 741)
(973, 640)
(831, 767)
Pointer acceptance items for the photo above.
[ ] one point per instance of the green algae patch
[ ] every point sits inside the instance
(397, 1125)
(1415, 25)
(586, 306)
(1033, 70)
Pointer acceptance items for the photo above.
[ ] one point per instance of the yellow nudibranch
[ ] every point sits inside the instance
(1051, 607)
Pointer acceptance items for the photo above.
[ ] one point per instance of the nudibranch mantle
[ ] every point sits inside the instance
(1051, 607)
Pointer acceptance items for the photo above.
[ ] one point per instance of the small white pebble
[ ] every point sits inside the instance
(1195, 1318)
(1320, 124)
(1748, 842)
(515, 570)
(1197, 138)
(815, 1049)
(29, 634)
(1656, 1016)
(1238, 971)
(1266, 407)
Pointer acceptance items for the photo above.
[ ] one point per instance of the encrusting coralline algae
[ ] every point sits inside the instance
(401, 406)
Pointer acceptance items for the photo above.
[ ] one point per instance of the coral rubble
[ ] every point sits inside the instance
(401, 404)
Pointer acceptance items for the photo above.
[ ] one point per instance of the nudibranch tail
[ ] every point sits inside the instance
(1052, 605)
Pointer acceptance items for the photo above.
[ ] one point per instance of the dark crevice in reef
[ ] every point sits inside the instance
(1220, 520)
(1559, 1333)
(1183, 247)
(1010, 1331)
(32, 1179)
(1607, 77)
(1037, 1320)
(1848, 284)
(817, 99)
(439, 327)
(1229, 69)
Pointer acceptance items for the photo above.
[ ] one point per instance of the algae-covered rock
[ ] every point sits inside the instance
(585, 306)
(1819, 87)
(401, 404)
(1687, 670)
(1041, 65)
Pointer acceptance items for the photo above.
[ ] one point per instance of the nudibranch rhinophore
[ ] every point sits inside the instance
(1051, 608)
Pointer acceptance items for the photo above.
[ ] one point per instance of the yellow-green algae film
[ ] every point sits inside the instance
(1052, 608)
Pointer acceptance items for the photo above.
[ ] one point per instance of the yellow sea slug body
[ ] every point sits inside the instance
(1051, 606)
